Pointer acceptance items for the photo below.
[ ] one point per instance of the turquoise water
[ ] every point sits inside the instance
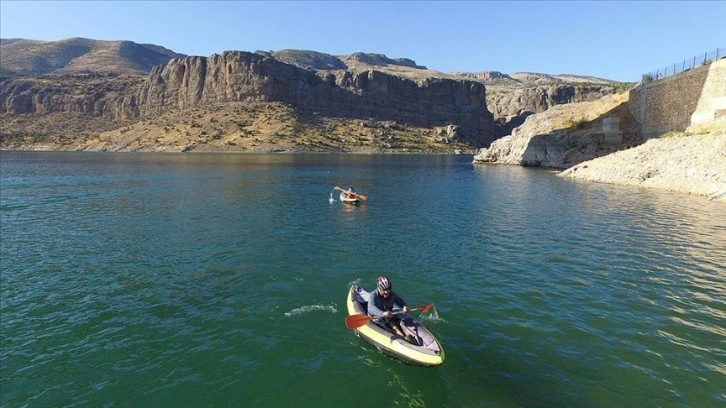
(220, 280)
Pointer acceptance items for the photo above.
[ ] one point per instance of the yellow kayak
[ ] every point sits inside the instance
(421, 348)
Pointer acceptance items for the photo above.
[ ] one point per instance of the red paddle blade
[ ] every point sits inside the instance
(425, 308)
(356, 321)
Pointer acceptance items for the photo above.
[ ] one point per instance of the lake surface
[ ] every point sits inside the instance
(142, 279)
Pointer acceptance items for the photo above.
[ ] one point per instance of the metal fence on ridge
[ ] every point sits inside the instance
(685, 65)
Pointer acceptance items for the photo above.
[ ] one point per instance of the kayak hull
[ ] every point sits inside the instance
(348, 200)
(424, 349)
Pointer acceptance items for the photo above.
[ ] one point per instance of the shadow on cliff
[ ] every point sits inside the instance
(583, 140)
(504, 127)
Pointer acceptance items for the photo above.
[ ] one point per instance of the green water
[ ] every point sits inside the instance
(133, 280)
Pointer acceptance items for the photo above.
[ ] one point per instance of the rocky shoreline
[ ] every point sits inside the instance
(686, 163)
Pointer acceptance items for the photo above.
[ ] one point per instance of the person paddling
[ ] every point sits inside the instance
(350, 193)
(381, 303)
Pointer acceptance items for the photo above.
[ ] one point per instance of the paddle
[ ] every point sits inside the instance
(361, 196)
(358, 320)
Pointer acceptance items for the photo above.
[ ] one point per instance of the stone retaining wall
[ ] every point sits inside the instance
(674, 103)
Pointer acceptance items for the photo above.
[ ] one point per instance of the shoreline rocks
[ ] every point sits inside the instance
(693, 164)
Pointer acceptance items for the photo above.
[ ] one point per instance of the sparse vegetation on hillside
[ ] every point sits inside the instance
(235, 127)
(96, 69)
(31, 57)
(7, 74)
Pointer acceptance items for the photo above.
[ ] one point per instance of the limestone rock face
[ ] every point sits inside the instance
(95, 95)
(243, 76)
(540, 98)
(511, 98)
(560, 137)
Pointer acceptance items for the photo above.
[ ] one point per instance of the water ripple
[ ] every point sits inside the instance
(162, 280)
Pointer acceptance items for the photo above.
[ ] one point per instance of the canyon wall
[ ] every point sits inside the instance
(237, 76)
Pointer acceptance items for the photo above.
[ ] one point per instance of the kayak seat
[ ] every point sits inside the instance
(361, 296)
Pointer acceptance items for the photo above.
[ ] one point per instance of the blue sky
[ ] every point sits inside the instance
(615, 40)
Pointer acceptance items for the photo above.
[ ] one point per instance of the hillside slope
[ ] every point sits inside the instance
(64, 93)
(32, 57)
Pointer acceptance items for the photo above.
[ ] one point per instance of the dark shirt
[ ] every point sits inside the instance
(377, 304)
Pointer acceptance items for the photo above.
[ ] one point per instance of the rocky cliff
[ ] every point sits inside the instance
(99, 95)
(242, 76)
(87, 87)
(538, 99)
(602, 140)
(511, 107)
(564, 135)
(513, 97)
(232, 77)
